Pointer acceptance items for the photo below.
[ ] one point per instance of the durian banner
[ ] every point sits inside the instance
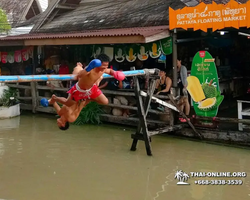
(203, 85)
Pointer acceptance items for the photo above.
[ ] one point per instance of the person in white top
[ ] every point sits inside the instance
(54, 84)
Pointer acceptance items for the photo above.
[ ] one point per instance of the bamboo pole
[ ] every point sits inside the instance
(35, 78)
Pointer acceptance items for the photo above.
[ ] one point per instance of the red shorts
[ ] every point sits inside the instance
(78, 94)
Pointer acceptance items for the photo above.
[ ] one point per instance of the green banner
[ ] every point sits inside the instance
(155, 49)
(131, 52)
(203, 85)
(120, 53)
(143, 52)
(97, 49)
(167, 46)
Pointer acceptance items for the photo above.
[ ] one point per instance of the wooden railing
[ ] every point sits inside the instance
(32, 103)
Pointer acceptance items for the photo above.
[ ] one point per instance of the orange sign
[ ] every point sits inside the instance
(215, 16)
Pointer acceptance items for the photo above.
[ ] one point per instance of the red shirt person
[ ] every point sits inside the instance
(64, 69)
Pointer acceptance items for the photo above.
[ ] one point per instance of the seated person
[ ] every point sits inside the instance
(164, 84)
(54, 84)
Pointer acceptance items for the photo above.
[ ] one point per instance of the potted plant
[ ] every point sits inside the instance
(9, 104)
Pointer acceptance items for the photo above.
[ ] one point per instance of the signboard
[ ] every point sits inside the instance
(203, 85)
(167, 46)
(215, 16)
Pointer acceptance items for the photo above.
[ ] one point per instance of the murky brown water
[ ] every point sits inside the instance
(40, 162)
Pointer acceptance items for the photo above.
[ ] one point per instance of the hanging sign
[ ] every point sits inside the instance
(203, 85)
(4, 57)
(10, 57)
(215, 16)
(17, 56)
(97, 50)
(119, 53)
(166, 46)
(131, 52)
(30, 52)
(25, 54)
(155, 50)
(143, 52)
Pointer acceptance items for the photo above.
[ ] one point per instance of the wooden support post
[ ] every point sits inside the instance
(142, 129)
(34, 96)
(182, 113)
(174, 56)
(239, 106)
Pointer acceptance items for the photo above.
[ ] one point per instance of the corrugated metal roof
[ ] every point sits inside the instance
(111, 14)
(143, 31)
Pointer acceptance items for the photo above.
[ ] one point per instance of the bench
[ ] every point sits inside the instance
(242, 112)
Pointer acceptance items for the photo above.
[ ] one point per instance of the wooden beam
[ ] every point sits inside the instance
(34, 97)
(24, 98)
(4, 43)
(25, 11)
(19, 86)
(142, 123)
(134, 108)
(24, 106)
(86, 40)
(45, 15)
(166, 129)
(131, 119)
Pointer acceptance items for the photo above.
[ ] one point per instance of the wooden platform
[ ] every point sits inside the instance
(241, 138)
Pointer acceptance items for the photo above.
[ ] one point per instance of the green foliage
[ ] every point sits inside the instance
(90, 114)
(9, 97)
(4, 24)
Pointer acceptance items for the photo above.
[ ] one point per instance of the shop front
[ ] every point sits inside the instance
(136, 47)
(217, 29)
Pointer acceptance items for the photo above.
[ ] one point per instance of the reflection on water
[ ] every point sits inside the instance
(11, 123)
(39, 161)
